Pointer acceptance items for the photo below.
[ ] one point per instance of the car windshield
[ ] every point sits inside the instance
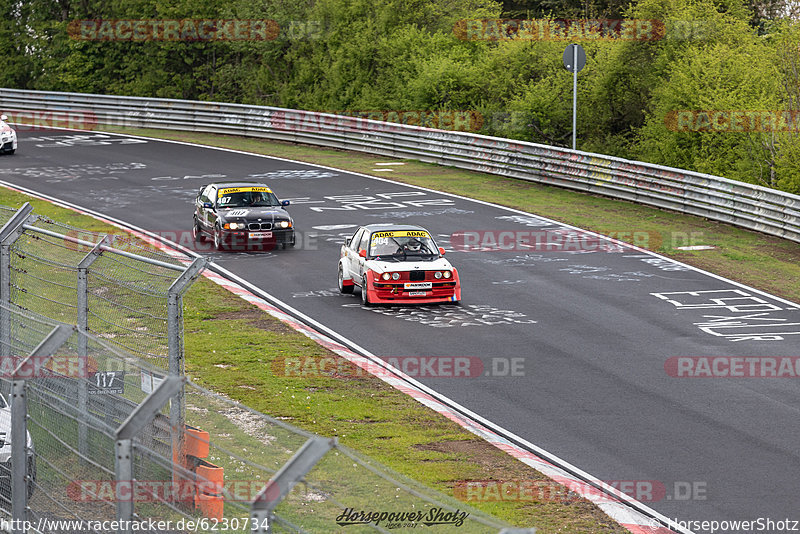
(247, 197)
(402, 245)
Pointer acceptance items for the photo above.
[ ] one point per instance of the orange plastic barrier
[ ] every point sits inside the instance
(209, 478)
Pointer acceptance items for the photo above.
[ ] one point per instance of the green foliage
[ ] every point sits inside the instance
(363, 55)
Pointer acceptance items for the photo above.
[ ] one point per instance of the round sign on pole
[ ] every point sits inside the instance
(569, 58)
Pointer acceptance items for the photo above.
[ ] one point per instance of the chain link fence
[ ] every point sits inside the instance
(100, 431)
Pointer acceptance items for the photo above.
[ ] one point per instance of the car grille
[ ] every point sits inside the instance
(260, 226)
(416, 276)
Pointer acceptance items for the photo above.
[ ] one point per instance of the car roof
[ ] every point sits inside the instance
(384, 227)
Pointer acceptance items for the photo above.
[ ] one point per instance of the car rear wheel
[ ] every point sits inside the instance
(364, 296)
(343, 288)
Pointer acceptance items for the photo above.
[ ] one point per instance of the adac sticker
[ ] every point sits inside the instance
(400, 233)
(230, 190)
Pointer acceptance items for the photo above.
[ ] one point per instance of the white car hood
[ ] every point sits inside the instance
(439, 264)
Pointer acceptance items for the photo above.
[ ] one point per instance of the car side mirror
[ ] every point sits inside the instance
(285, 203)
(209, 205)
(347, 241)
(441, 251)
(362, 253)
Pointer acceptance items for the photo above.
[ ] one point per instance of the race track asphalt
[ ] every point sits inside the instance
(589, 330)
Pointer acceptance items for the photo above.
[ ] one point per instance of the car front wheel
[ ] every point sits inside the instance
(364, 296)
(218, 238)
(197, 234)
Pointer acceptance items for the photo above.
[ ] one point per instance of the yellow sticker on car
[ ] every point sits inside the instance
(377, 237)
(230, 190)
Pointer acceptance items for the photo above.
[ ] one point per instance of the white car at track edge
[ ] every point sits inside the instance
(397, 264)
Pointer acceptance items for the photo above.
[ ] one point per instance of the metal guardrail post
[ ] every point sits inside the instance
(285, 479)
(83, 341)
(8, 234)
(123, 447)
(175, 341)
(19, 428)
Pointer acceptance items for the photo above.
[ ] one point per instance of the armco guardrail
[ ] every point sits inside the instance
(738, 203)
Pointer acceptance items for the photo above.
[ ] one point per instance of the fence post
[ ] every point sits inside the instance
(83, 340)
(123, 447)
(8, 234)
(19, 427)
(175, 342)
(285, 479)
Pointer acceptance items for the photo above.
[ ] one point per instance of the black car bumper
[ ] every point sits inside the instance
(246, 240)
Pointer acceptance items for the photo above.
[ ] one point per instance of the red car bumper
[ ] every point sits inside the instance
(383, 292)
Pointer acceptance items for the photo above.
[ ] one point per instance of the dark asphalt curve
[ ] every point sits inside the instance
(589, 332)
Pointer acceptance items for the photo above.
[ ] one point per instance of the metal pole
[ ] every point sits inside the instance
(574, 92)
(123, 469)
(83, 340)
(123, 448)
(284, 480)
(175, 349)
(9, 233)
(19, 428)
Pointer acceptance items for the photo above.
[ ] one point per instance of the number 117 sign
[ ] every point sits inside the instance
(107, 382)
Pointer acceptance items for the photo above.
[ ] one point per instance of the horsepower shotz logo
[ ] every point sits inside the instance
(432, 517)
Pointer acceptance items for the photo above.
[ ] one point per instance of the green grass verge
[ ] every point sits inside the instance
(231, 345)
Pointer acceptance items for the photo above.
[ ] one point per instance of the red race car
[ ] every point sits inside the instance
(397, 264)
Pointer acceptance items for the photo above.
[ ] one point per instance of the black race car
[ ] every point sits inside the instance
(242, 216)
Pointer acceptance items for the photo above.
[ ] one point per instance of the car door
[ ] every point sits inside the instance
(351, 254)
(210, 214)
(363, 245)
(199, 215)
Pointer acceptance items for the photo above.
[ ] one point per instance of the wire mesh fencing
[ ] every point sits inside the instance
(100, 431)
(124, 296)
(200, 477)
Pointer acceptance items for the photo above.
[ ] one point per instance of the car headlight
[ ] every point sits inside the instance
(437, 274)
(447, 274)
(285, 224)
(234, 226)
(386, 276)
(395, 276)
